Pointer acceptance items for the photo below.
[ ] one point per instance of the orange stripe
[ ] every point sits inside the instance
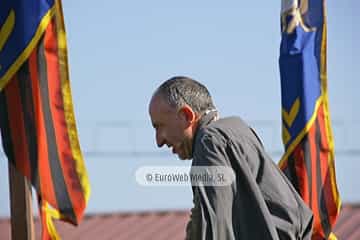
(326, 188)
(301, 173)
(314, 191)
(323, 169)
(330, 201)
(331, 206)
(46, 186)
(67, 161)
(17, 127)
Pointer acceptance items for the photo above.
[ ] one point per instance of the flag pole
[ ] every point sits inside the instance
(22, 225)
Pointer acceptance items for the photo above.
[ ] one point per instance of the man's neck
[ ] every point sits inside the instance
(203, 120)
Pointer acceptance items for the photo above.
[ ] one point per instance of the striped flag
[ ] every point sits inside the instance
(36, 113)
(307, 136)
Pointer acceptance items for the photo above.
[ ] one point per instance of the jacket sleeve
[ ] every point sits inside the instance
(235, 211)
(192, 231)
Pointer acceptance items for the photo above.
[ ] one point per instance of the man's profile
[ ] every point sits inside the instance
(260, 203)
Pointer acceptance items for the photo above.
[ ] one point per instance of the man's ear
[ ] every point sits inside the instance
(188, 114)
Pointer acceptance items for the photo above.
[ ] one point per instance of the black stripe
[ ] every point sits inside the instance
(5, 128)
(319, 185)
(60, 188)
(307, 158)
(27, 105)
(290, 172)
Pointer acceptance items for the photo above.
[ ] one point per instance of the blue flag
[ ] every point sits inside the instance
(308, 160)
(22, 23)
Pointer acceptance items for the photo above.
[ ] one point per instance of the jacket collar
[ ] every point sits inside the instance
(208, 117)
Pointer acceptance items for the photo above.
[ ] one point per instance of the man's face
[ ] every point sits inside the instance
(173, 127)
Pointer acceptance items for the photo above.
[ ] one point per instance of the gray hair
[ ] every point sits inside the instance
(179, 90)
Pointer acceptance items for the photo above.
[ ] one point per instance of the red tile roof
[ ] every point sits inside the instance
(348, 224)
(161, 226)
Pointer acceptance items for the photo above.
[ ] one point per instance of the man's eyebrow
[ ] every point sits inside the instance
(155, 125)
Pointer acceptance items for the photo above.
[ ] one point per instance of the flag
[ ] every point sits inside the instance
(308, 160)
(37, 120)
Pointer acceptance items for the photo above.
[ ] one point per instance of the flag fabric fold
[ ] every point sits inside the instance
(309, 157)
(36, 113)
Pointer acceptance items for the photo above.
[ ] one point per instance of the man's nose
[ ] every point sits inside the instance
(160, 140)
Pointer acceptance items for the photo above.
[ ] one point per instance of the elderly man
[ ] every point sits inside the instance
(260, 203)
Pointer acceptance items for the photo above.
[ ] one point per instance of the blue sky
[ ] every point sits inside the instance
(120, 51)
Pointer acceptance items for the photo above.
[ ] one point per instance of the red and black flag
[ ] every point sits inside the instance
(36, 113)
(307, 136)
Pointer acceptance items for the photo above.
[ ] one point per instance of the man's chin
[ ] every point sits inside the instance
(183, 157)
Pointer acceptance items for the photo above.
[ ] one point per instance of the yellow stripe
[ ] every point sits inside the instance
(50, 214)
(7, 29)
(290, 116)
(29, 48)
(302, 133)
(328, 129)
(285, 134)
(68, 105)
(332, 236)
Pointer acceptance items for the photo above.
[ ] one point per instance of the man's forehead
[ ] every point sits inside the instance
(159, 111)
(159, 104)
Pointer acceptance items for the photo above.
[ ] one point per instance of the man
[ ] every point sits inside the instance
(260, 203)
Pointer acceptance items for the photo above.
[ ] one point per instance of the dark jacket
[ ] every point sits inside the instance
(260, 204)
